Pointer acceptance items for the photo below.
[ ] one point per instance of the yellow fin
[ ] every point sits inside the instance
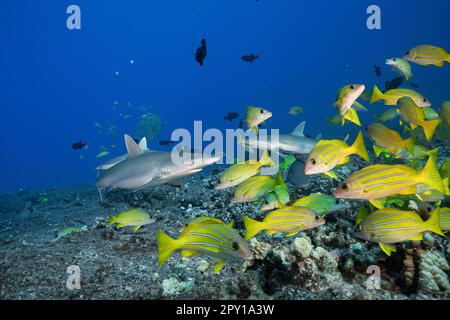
(218, 266)
(188, 253)
(429, 127)
(166, 246)
(330, 174)
(376, 95)
(359, 147)
(432, 224)
(252, 227)
(290, 234)
(352, 116)
(378, 203)
(388, 249)
(430, 174)
(136, 228)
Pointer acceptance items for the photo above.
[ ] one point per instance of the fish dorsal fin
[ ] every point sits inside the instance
(298, 131)
(143, 144)
(133, 148)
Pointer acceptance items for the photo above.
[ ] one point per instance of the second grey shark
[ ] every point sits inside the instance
(295, 143)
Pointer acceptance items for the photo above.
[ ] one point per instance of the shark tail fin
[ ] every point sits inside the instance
(166, 246)
(359, 147)
(252, 227)
(377, 95)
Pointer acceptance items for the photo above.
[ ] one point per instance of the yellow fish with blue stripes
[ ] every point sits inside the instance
(376, 182)
(392, 96)
(276, 199)
(238, 173)
(445, 112)
(415, 116)
(290, 220)
(255, 188)
(389, 226)
(327, 154)
(256, 116)
(346, 103)
(389, 139)
(425, 55)
(135, 218)
(205, 236)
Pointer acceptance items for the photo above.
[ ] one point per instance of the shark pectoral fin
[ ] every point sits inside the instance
(218, 266)
(136, 228)
(188, 253)
(388, 249)
(176, 183)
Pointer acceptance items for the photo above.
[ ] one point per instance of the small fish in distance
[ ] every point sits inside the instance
(200, 54)
(80, 145)
(231, 116)
(249, 57)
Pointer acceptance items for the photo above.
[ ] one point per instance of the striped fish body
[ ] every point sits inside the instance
(444, 219)
(253, 189)
(347, 96)
(445, 112)
(415, 116)
(256, 116)
(327, 154)
(389, 225)
(380, 181)
(389, 139)
(391, 97)
(289, 220)
(276, 199)
(320, 203)
(425, 55)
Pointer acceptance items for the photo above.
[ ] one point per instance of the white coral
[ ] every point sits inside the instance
(432, 276)
(302, 246)
(173, 287)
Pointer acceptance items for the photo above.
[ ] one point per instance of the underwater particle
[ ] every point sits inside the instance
(132, 61)
(302, 246)
(295, 110)
(249, 57)
(116, 73)
(432, 272)
(173, 287)
(201, 52)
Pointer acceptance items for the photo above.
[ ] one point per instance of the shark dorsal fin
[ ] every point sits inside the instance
(298, 131)
(143, 144)
(133, 148)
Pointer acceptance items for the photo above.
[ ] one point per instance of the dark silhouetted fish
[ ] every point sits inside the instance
(296, 174)
(200, 55)
(378, 70)
(231, 116)
(80, 145)
(394, 83)
(166, 143)
(250, 57)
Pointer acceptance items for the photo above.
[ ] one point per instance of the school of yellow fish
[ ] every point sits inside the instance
(385, 219)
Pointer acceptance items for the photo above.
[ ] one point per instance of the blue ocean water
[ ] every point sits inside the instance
(57, 83)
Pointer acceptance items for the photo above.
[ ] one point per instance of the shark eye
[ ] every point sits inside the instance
(345, 186)
(235, 246)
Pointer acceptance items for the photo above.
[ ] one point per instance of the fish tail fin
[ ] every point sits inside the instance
(166, 246)
(110, 220)
(360, 148)
(430, 174)
(448, 57)
(252, 227)
(377, 95)
(432, 224)
(409, 144)
(351, 116)
(266, 160)
(429, 127)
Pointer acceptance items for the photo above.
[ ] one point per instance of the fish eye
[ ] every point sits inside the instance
(235, 246)
(337, 201)
(262, 111)
(313, 161)
(317, 218)
(345, 186)
(352, 87)
(424, 100)
(407, 52)
(395, 59)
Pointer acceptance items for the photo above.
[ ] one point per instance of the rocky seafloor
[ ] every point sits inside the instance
(323, 263)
